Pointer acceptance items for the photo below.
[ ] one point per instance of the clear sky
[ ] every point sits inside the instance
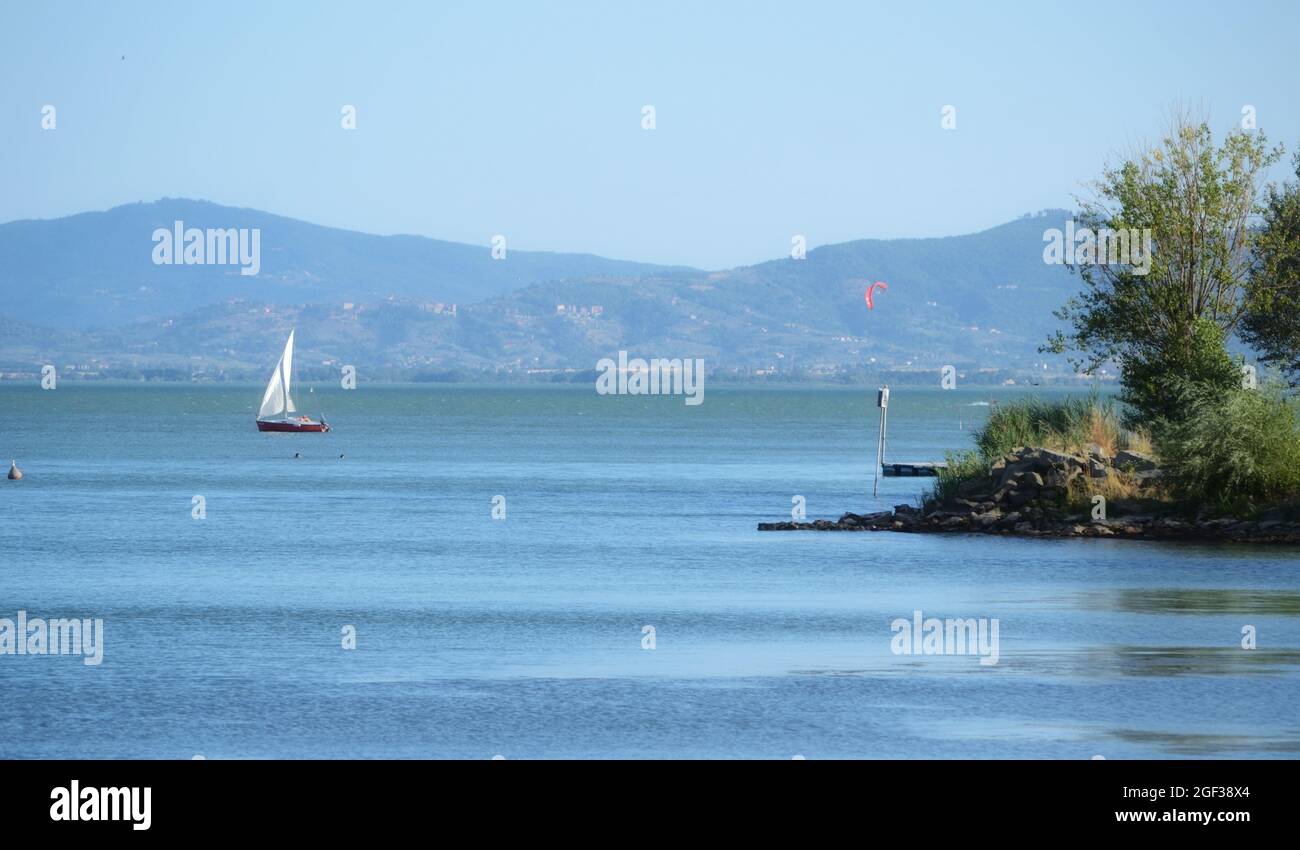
(524, 119)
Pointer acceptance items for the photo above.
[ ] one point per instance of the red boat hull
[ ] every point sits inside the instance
(293, 427)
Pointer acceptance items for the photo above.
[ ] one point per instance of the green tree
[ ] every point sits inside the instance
(1154, 382)
(1272, 320)
(1168, 318)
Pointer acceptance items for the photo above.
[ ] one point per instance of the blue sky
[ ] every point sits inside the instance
(524, 119)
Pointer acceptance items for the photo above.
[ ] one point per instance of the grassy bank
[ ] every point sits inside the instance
(1077, 426)
(1235, 453)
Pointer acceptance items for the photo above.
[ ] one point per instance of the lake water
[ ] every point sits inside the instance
(523, 636)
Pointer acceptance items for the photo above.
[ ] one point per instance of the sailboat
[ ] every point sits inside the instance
(277, 412)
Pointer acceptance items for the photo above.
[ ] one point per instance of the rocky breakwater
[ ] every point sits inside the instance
(1039, 492)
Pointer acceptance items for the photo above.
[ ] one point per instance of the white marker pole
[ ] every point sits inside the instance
(882, 401)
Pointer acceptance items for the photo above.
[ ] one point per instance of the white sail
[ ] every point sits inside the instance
(276, 401)
(286, 367)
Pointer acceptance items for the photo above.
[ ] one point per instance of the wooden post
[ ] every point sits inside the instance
(882, 401)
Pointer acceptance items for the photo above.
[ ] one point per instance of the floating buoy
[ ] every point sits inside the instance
(15, 474)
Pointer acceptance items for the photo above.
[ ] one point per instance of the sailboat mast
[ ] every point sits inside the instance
(286, 372)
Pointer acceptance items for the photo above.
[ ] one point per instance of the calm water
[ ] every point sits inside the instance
(523, 636)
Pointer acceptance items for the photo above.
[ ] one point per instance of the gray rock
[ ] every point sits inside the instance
(1060, 477)
(1017, 498)
(1060, 458)
(974, 486)
(1013, 470)
(1134, 461)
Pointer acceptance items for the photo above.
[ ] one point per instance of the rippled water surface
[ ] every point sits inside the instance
(524, 636)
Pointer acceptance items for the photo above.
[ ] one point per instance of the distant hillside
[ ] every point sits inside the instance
(983, 300)
(96, 269)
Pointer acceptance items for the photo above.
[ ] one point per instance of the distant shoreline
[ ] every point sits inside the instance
(588, 379)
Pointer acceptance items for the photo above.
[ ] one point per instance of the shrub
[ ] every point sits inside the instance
(962, 466)
(1234, 451)
(1068, 425)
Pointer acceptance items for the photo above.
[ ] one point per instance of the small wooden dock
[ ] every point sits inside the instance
(907, 470)
(928, 469)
